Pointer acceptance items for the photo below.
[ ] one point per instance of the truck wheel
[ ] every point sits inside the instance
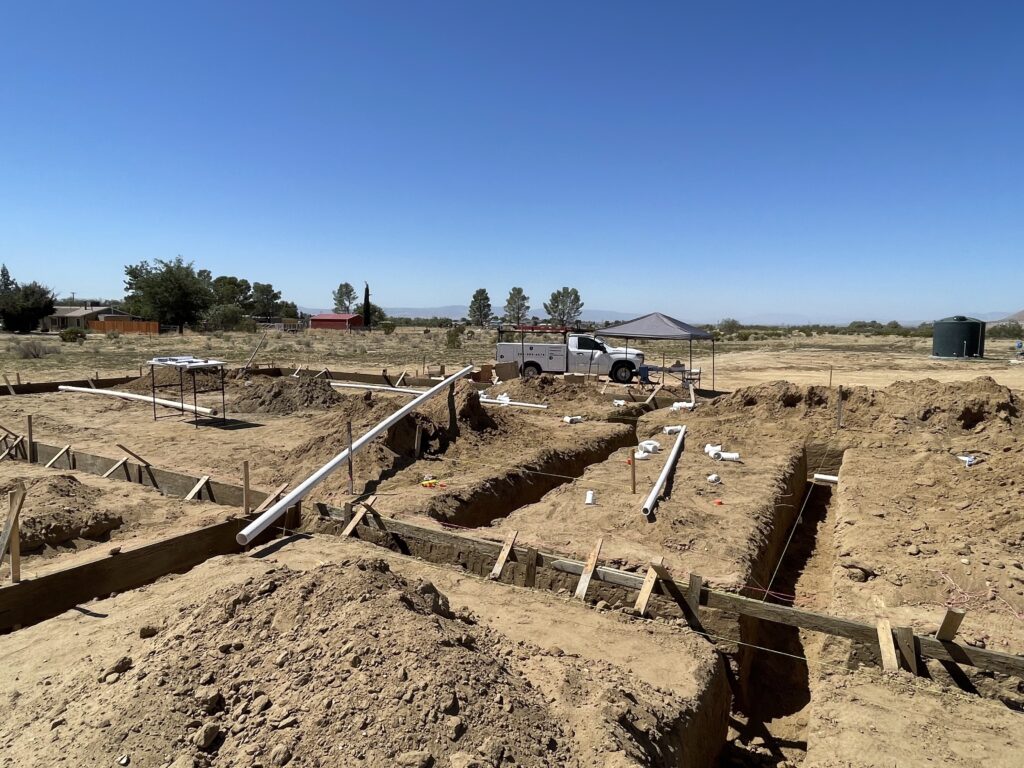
(530, 370)
(622, 373)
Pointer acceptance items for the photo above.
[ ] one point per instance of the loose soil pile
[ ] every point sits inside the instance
(901, 407)
(285, 395)
(343, 665)
(60, 509)
(566, 399)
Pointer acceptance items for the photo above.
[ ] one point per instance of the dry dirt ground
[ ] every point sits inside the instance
(330, 653)
(892, 542)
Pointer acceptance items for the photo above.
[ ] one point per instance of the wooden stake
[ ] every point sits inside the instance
(693, 594)
(271, 499)
(531, 567)
(17, 377)
(10, 389)
(245, 487)
(17, 441)
(197, 488)
(839, 408)
(59, 453)
(113, 469)
(950, 623)
(908, 648)
(10, 535)
(359, 515)
(134, 455)
(31, 445)
(351, 475)
(632, 472)
(647, 589)
(886, 647)
(506, 548)
(418, 445)
(588, 571)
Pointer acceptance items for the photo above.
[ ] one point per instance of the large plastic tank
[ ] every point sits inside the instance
(958, 336)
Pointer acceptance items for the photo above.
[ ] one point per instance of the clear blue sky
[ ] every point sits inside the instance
(825, 159)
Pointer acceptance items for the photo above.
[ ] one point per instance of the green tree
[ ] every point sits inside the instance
(22, 307)
(232, 290)
(344, 298)
(224, 317)
(7, 283)
(367, 308)
(480, 307)
(565, 306)
(288, 309)
(516, 306)
(265, 300)
(728, 326)
(171, 292)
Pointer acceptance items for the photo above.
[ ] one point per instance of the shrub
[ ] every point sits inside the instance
(73, 334)
(452, 340)
(113, 334)
(31, 350)
(469, 334)
(388, 327)
(426, 331)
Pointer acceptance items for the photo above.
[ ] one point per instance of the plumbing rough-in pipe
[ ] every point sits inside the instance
(176, 405)
(410, 391)
(684, 405)
(261, 523)
(666, 472)
(830, 479)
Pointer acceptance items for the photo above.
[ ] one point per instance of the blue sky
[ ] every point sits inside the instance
(827, 160)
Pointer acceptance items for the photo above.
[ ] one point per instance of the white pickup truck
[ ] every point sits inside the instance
(582, 353)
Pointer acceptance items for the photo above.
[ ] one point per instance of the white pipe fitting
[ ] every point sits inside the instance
(725, 456)
(650, 446)
(709, 448)
(590, 499)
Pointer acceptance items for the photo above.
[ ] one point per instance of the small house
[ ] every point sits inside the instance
(340, 322)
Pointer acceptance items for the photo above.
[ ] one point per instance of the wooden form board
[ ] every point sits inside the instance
(859, 631)
(647, 588)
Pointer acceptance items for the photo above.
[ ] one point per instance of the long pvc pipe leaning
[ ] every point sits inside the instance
(178, 406)
(261, 523)
(666, 471)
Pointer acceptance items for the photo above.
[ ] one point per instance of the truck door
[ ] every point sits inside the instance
(586, 355)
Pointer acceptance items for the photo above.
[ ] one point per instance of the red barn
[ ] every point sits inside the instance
(336, 321)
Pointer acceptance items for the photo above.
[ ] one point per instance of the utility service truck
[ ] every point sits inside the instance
(582, 353)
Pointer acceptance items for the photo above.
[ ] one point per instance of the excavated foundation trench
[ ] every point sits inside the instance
(770, 691)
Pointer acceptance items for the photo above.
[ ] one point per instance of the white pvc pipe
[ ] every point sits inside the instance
(666, 472)
(725, 456)
(830, 479)
(687, 406)
(261, 523)
(176, 405)
(512, 403)
(409, 391)
(377, 388)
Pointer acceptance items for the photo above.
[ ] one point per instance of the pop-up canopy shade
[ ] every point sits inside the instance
(656, 326)
(659, 326)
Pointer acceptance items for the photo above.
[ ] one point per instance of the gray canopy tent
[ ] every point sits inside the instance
(662, 327)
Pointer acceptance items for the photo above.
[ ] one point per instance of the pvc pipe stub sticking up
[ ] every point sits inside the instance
(590, 498)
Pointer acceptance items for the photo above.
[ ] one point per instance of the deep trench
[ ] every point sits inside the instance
(774, 693)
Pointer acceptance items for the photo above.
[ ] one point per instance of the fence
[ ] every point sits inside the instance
(125, 326)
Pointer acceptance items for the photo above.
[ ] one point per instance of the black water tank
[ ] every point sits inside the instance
(958, 336)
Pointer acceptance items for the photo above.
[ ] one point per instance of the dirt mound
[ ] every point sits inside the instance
(285, 395)
(464, 409)
(168, 380)
(901, 406)
(345, 663)
(60, 509)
